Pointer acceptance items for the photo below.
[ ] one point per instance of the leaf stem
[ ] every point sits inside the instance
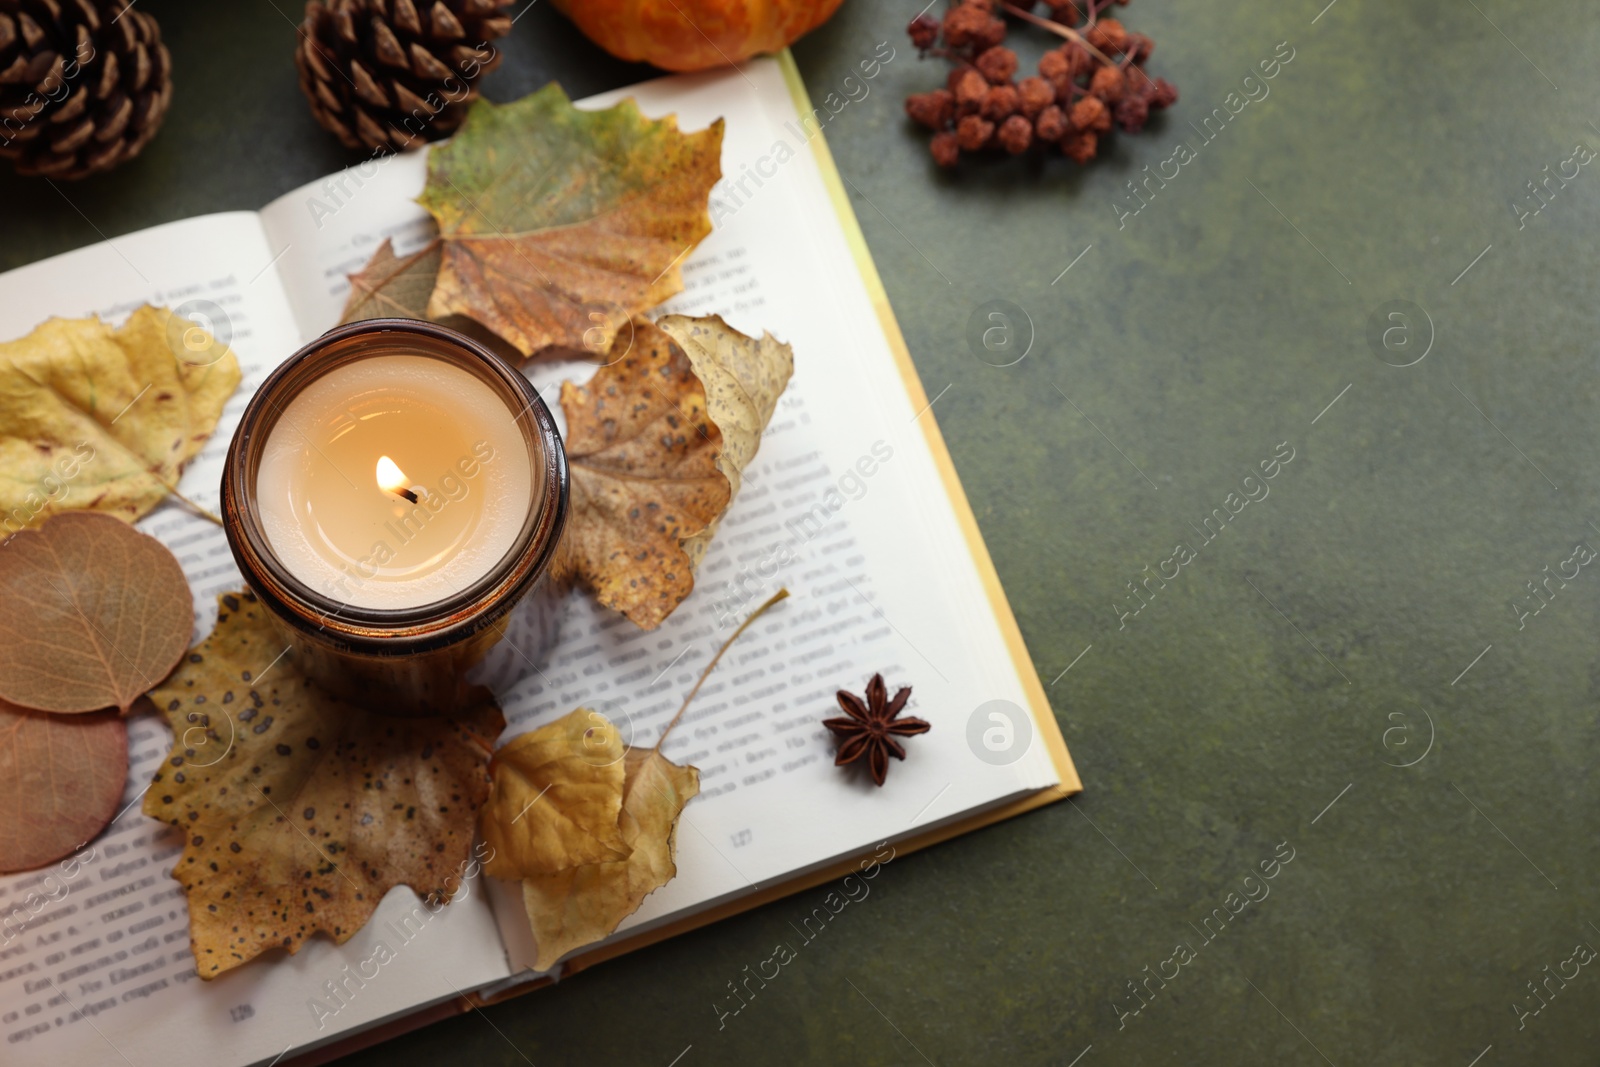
(1064, 31)
(771, 600)
(204, 513)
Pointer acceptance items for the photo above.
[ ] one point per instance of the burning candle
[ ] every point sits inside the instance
(394, 494)
(394, 481)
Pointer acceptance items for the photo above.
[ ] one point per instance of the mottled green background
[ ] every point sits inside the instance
(1223, 719)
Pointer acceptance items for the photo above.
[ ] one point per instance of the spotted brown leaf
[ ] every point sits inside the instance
(643, 452)
(300, 811)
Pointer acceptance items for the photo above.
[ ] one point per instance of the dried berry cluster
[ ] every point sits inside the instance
(1096, 78)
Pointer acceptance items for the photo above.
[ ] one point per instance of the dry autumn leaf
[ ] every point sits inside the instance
(579, 905)
(577, 762)
(61, 778)
(101, 419)
(658, 441)
(743, 378)
(391, 286)
(643, 454)
(316, 808)
(573, 894)
(93, 613)
(558, 224)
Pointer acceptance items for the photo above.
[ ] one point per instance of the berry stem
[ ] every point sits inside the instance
(1064, 31)
(754, 615)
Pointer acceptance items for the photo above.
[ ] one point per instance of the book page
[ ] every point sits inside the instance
(843, 505)
(94, 951)
(330, 228)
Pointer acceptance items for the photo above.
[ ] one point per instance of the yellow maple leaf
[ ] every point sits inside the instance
(101, 419)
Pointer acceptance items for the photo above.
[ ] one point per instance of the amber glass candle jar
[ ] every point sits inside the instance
(394, 495)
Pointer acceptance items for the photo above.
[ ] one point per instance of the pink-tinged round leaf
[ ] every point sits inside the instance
(93, 614)
(61, 778)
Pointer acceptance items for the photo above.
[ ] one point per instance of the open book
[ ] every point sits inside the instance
(852, 503)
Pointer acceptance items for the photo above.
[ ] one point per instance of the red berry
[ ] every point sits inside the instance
(1090, 114)
(970, 87)
(1166, 94)
(924, 31)
(1108, 35)
(1016, 134)
(934, 110)
(1052, 124)
(1131, 113)
(1108, 84)
(998, 65)
(1063, 11)
(964, 24)
(1000, 102)
(946, 148)
(1080, 145)
(1036, 94)
(974, 132)
(1055, 64)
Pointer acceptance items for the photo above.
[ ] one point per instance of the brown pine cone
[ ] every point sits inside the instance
(391, 74)
(84, 84)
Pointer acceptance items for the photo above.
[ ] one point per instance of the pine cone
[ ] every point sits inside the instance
(391, 74)
(84, 84)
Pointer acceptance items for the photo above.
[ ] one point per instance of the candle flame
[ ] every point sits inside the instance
(391, 478)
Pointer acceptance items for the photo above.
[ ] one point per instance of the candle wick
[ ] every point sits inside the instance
(408, 494)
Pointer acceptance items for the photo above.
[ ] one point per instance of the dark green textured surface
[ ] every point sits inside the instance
(1224, 718)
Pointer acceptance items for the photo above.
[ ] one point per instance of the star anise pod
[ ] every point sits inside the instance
(870, 727)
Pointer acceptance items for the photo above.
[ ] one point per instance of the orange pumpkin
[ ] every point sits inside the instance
(695, 34)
